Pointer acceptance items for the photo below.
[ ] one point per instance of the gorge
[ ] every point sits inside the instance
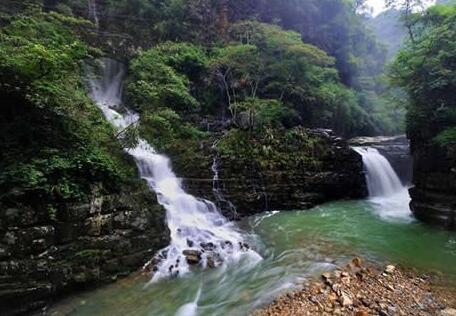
(296, 246)
(201, 157)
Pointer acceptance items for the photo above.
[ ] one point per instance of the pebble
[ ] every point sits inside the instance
(390, 269)
(345, 300)
(363, 291)
(448, 312)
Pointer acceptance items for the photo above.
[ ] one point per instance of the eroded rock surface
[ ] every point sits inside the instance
(434, 179)
(254, 189)
(45, 254)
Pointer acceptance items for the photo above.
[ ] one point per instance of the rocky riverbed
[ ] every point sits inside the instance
(365, 289)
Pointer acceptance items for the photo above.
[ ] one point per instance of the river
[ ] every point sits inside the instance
(295, 245)
(287, 248)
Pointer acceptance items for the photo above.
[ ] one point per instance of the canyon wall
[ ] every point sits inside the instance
(44, 254)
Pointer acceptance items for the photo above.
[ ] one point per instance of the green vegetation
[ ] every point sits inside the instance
(265, 77)
(163, 86)
(334, 26)
(202, 70)
(271, 149)
(425, 69)
(54, 143)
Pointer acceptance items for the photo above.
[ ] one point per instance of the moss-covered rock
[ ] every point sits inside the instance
(87, 243)
(278, 169)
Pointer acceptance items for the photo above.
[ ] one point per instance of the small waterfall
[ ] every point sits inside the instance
(196, 226)
(217, 190)
(385, 188)
(381, 178)
(93, 13)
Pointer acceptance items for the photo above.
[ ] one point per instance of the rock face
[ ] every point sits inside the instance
(394, 148)
(434, 179)
(44, 253)
(251, 190)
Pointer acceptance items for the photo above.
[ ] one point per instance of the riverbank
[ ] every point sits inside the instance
(366, 289)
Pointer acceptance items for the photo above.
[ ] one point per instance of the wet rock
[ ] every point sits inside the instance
(193, 257)
(287, 186)
(208, 246)
(434, 191)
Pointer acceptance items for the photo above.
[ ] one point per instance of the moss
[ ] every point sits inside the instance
(276, 149)
(446, 137)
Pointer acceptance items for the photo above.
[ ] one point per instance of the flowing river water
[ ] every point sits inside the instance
(294, 245)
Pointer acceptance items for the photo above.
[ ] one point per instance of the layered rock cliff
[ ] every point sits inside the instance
(334, 172)
(394, 148)
(434, 178)
(44, 255)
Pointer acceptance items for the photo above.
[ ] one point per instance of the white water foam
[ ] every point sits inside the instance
(194, 224)
(386, 191)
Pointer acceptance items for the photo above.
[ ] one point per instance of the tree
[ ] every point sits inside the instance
(426, 70)
(409, 9)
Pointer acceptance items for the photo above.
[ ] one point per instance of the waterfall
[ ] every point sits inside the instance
(93, 13)
(380, 176)
(385, 188)
(217, 190)
(198, 231)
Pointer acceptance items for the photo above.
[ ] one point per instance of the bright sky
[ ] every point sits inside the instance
(379, 5)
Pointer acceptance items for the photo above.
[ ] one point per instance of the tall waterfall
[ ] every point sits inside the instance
(197, 228)
(385, 188)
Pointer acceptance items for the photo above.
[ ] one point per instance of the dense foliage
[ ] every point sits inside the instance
(426, 69)
(271, 149)
(334, 26)
(199, 71)
(54, 143)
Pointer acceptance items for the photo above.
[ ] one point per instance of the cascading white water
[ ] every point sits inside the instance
(93, 13)
(217, 190)
(381, 178)
(385, 188)
(195, 225)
